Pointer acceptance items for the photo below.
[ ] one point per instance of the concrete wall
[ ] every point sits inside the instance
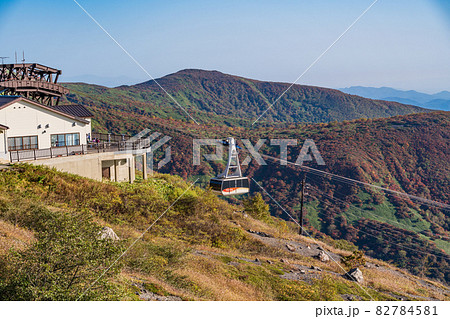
(122, 166)
(27, 119)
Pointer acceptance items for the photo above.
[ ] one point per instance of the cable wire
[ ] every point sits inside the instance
(357, 183)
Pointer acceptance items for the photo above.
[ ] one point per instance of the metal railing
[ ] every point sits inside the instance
(91, 147)
(17, 156)
(110, 138)
(101, 147)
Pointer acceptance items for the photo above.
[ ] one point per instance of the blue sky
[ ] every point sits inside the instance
(403, 44)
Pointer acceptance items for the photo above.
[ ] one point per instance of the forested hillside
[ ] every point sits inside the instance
(213, 97)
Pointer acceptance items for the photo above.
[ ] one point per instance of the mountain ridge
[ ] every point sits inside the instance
(210, 95)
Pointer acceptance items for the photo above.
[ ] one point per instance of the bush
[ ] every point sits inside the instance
(354, 260)
(67, 258)
(257, 208)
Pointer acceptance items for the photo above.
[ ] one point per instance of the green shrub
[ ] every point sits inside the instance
(67, 258)
(257, 208)
(354, 260)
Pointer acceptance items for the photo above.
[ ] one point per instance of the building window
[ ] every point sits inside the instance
(59, 140)
(22, 143)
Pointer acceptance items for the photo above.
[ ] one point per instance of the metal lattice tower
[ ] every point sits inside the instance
(33, 81)
(233, 168)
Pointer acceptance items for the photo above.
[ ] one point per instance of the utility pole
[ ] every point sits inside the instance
(300, 231)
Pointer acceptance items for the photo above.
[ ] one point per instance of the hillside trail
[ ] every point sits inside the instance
(304, 271)
(312, 250)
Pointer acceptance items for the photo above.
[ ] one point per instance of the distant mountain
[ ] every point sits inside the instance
(438, 101)
(214, 97)
(101, 80)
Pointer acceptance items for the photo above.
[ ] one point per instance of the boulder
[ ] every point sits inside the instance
(323, 256)
(263, 234)
(108, 233)
(356, 275)
(290, 247)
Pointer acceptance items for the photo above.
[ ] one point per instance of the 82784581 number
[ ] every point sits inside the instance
(406, 310)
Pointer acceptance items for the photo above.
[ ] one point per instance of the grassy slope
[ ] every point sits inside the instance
(200, 250)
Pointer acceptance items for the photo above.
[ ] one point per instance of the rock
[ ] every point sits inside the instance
(318, 269)
(323, 256)
(308, 247)
(257, 260)
(319, 248)
(355, 274)
(312, 267)
(302, 271)
(284, 261)
(262, 234)
(245, 215)
(290, 247)
(350, 297)
(108, 233)
(270, 262)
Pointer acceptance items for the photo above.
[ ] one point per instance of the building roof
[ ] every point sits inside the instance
(8, 100)
(74, 109)
(3, 127)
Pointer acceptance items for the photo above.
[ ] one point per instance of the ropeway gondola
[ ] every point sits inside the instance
(231, 181)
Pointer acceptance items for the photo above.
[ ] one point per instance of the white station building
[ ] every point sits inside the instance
(34, 128)
(60, 137)
(27, 125)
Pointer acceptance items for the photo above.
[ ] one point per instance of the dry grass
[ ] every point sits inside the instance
(389, 280)
(137, 277)
(213, 281)
(13, 237)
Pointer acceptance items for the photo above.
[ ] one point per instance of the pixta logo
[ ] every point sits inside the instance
(307, 153)
(143, 143)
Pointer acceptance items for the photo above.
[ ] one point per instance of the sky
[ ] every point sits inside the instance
(404, 44)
